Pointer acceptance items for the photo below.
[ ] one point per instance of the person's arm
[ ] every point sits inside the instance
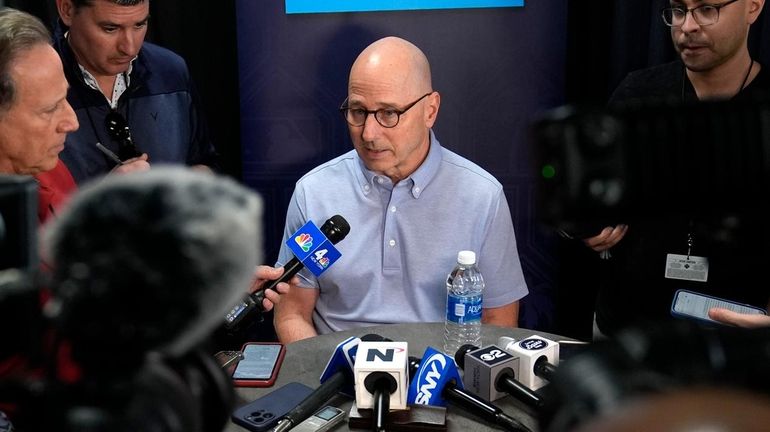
(726, 316)
(503, 316)
(265, 273)
(293, 318)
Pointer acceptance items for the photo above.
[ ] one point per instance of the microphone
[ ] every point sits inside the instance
(337, 376)
(381, 372)
(334, 229)
(491, 373)
(538, 358)
(436, 381)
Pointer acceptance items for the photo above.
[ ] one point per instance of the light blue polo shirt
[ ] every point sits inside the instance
(404, 238)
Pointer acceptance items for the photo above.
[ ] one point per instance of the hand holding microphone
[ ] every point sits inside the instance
(263, 275)
(312, 248)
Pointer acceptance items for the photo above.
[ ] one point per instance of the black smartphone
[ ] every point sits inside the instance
(264, 413)
(260, 364)
(691, 304)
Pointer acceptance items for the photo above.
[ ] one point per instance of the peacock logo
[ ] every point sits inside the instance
(305, 241)
(324, 262)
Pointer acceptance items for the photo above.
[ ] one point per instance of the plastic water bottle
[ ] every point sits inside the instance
(464, 287)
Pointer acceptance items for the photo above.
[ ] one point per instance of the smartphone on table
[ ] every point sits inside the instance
(690, 304)
(263, 414)
(260, 364)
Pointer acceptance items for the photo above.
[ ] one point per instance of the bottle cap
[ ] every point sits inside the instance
(466, 257)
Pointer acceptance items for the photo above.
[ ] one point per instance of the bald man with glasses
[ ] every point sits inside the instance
(412, 206)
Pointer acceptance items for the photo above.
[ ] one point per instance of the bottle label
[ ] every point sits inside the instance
(463, 310)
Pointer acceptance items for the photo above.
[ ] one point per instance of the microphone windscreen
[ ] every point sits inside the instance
(335, 228)
(152, 260)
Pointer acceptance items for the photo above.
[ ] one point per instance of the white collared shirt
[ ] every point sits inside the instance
(122, 81)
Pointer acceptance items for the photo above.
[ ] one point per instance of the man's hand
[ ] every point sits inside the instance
(264, 273)
(133, 165)
(609, 237)
(727, 316)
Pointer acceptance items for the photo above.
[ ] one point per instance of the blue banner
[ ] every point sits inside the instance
(327, 6)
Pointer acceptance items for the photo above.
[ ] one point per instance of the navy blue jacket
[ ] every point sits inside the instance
(160, 105)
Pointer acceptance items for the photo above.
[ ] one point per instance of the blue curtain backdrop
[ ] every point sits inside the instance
(495, 69)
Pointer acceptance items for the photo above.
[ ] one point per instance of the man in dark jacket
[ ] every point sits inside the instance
(135, 99)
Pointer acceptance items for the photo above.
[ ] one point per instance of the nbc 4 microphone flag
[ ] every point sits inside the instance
(313, 249)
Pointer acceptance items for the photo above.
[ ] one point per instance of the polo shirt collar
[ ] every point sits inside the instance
(419, 179)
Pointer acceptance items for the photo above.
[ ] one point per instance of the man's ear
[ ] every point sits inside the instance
(755, 8)
(431, 109)
(66, 11)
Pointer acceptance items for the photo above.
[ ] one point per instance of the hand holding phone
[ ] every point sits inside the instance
(690, 304)
(260, 364)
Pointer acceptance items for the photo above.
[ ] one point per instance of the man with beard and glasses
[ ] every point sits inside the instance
(714, 63)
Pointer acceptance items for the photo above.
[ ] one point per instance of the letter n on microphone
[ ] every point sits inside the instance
(388, 357)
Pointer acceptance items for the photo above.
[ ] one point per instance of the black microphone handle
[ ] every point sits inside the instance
(480, 407)
(317, 398)
(519, 391)
(544, 369)
(289, 270)
(381, 408)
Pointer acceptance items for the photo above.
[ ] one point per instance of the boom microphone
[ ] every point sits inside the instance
(436, 381)
(335, 229)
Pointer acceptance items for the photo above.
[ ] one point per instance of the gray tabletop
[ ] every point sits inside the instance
(306, 359)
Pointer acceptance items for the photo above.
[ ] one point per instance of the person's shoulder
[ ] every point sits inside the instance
(656, 82)
(162, 59)
(761, 82)
(468, 170)
(331, 168)
(657, 72)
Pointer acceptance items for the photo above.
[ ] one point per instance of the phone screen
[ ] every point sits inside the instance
(698, 305)
(258, 362)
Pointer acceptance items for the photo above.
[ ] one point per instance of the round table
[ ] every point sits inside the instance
(306, 359)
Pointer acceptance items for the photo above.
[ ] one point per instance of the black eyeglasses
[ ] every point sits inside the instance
(704, 15)
(117, 129)
(386, 117)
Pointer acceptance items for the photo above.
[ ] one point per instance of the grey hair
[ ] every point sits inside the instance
(19, 32)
